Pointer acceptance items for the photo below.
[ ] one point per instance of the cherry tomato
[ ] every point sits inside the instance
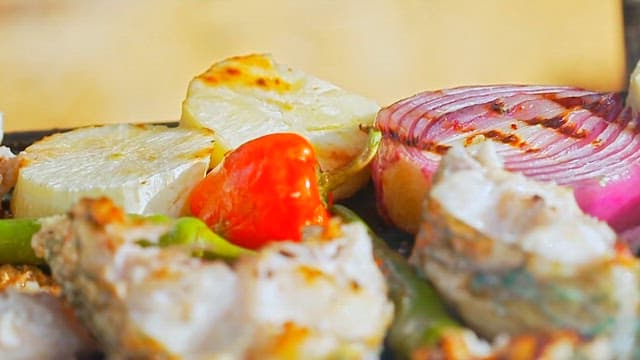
(265, 190)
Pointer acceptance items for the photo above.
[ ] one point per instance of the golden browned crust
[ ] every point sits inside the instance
(530, 346)
(26, 277)
(241, 70)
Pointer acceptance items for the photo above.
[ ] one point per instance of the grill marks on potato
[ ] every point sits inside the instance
(249, 71)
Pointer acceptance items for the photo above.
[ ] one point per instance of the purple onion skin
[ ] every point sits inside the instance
(583, 139)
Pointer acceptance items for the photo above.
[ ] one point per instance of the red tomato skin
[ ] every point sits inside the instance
(266, 190)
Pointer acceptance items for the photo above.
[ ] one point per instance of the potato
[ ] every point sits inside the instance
(242, 98)
(143, 168)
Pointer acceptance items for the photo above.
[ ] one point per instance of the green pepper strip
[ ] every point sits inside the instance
(15, 241)
(16, 234)
(421, 319)
(331, 180)
(207, 244)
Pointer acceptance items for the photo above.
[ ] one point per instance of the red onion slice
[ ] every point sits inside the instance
(583, 139)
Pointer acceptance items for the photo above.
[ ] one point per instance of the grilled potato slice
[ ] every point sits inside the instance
(243, 98)
(143, 168)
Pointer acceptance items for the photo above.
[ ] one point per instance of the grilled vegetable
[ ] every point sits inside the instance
(323, 298)
(195, 234)
(242, 98)
(265, 190)
(15, 241)
(517, 256)
(578, 138)
(191, 233)
(144, 168)
(269, 188)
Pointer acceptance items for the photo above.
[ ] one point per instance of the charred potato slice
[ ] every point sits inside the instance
(245, 97)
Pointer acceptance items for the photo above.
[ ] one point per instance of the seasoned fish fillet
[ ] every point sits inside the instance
(513, 255)
(34, 321)
(245, 97)
(143, 168)
(323, 298)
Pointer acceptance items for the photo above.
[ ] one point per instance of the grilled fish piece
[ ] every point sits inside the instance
(322, 298)
(514, 256)
(35, 323)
